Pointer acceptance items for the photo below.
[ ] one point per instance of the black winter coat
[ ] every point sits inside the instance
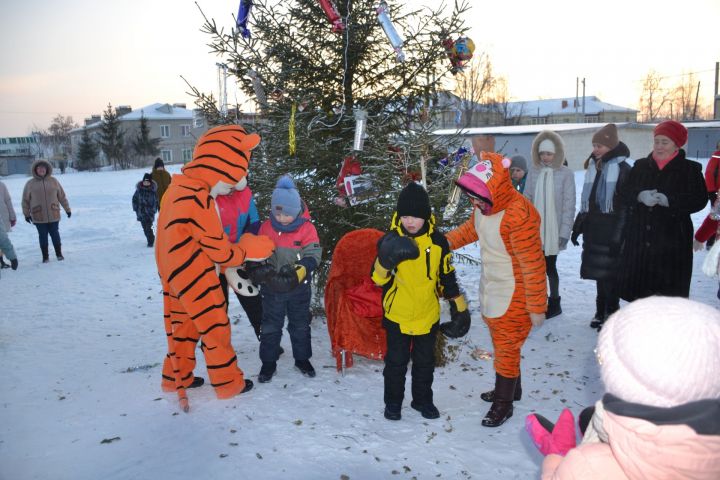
(603, 233)
(658, 254)
(145, 202)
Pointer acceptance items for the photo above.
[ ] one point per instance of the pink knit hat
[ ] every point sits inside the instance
(661, 351)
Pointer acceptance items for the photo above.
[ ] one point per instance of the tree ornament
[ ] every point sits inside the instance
(242, 17)
(353, 187)
(462, 166)
(459, 52)
(360, 127)
(291, 130)
(332, 15)
(395, 40)
(257, 87)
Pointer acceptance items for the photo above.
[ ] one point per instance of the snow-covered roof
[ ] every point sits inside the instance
(563, 106)
(159, 111)
(531, 129)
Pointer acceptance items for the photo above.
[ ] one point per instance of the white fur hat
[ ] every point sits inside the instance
(661, 351)
(546, 145)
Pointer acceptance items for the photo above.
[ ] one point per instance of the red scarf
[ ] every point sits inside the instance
(661, 163)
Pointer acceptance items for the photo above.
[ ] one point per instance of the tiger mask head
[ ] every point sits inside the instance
(489, 181)
(221, 157)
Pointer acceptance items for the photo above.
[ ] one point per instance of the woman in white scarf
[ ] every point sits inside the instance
(602, 219)
(551, 188)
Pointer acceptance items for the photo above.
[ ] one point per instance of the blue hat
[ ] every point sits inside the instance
(285, 198)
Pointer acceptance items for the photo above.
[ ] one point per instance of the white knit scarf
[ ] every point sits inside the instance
(544, 201)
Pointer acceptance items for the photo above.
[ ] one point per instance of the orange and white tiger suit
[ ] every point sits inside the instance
(190, 243)
(512, 282)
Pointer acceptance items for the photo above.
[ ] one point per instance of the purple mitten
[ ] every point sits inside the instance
(548, 438)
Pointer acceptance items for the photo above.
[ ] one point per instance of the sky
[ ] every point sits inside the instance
(82, 343)
(73, 57)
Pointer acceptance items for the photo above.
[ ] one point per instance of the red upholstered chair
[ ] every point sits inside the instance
(353, 304)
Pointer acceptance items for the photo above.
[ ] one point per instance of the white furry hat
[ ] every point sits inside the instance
(546, 145)
(661, 351)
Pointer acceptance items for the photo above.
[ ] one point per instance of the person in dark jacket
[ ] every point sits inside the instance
(518, 172)
(662, 191)
(161, 177)
(145, 204)
(602, 219)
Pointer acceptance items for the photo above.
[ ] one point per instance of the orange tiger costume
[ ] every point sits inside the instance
(190, 243)
(512, 284)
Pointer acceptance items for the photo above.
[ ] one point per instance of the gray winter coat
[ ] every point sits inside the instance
(7, 212)
(563, 179)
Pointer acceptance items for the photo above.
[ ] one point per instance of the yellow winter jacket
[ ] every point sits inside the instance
(411, 291)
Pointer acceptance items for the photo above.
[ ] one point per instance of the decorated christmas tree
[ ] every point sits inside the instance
(343, 90)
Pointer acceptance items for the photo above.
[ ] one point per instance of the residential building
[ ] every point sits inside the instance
(451, 111)
(177, 128)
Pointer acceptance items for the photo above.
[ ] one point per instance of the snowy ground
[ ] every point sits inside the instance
(82, 341)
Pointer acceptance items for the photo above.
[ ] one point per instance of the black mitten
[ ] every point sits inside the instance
(259, 272)
(286, 279)
(459, 323)
(393, 249)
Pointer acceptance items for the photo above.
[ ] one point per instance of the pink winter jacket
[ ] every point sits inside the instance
(638, 449)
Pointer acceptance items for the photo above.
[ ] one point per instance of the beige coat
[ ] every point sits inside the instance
(43, 196)
(7, 212)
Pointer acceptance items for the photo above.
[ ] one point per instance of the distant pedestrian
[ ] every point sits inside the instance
(145, 204)
(7, 216)
(7, 247)
(712, 182)
(161, 178)
(41, 201)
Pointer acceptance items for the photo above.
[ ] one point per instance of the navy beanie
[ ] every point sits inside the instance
(285, 198)
(414, 202)
(147, 177)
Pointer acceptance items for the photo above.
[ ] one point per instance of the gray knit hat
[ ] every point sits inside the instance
(518, 161)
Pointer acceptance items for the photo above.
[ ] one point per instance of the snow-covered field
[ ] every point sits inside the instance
(82, 341)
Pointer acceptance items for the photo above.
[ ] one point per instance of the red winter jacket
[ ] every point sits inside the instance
(712, 173)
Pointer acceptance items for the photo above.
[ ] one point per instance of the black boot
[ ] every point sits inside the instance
(45, 254)
(502, 407)
(267, 371)
(554, 308)
(58, 252)
(599, 317)
(393, 411)
(490, 396)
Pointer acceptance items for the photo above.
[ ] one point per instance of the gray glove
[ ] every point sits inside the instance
(648, 197)
(662, 200)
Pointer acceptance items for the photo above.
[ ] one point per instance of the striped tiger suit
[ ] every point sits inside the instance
(190, 244)
(512, 282)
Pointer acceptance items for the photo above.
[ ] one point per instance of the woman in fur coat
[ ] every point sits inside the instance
(551, 188)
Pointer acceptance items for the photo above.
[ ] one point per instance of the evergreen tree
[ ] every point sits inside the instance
(87, 153)
(308, 82)
(112, 139)
(143, 145)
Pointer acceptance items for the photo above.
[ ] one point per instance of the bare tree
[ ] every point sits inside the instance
(56, 139)
(499, 105)
(473, 88)
(654, 97)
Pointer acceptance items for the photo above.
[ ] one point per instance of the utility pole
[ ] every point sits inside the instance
(577, 100)
(697, 92)
(583, 101)
(716, 99)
